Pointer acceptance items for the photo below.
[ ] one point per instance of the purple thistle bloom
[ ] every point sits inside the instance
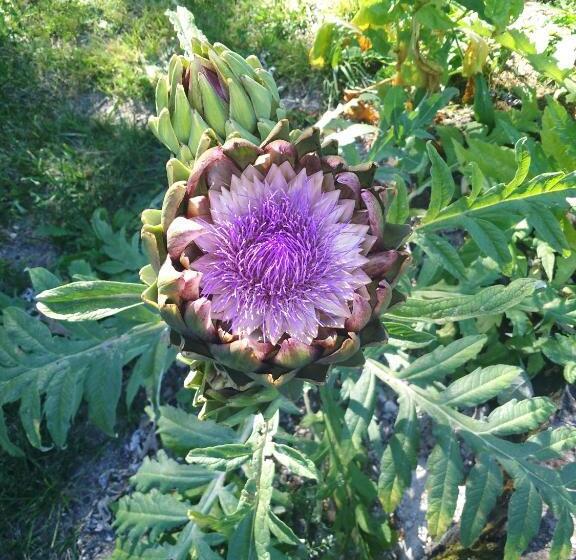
(280, 255)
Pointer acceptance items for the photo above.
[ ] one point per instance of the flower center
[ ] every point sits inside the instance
(280, 259)
(277, 248)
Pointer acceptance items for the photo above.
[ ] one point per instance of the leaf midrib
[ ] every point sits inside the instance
(438, 222)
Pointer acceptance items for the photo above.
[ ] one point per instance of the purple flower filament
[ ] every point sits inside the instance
(281, 257)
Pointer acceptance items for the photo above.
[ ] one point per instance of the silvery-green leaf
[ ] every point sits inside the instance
(480, 386)
(484, 485)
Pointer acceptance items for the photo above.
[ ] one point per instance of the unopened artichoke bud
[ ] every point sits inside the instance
(278, 262)
(214, 88)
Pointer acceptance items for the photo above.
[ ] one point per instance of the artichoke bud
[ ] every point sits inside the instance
(182, 117)
(213, 95)
(240, 106)
(201, 240)
(213, 107)
(260, 96)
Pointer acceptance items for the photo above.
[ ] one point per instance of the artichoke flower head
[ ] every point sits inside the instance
(270, 259)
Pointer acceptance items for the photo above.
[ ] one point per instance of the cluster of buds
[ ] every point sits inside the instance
(214, 95)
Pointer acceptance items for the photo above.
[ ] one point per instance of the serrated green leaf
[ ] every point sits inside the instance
(241, 543)
(89, 301)
(399, 208)
(551, 189)
(128, 550)
(524, 515)
(151, 513)
(558, 135)
(560, 349)
(479, 386)
(204, 552)
(260, 528)
(501, 14)
(63, 397)
(220, 457)
(281, 531)
(361, 406)
(553, 443)
(443, 254)
(445, 473)
(5, 442)
(547, 257)
(477, 181)
(103, 392)
(124, 254)
(61, 369)
(182, 431)
(516, 458)
(489, 238)
(166, 474)
(403, 335)
(443, 360)
(484, 485)
(30, 413)
(568, 475)
(494, 161)
(399, 457)
(295, 461)
(150, 368)
(516, 417)
(547, 226)
(442, 186)
(43, 279)
(523, 160)
(436, 308)
(561, 547)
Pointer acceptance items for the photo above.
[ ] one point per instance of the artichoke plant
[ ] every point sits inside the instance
(270, 260)
(213, 95)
